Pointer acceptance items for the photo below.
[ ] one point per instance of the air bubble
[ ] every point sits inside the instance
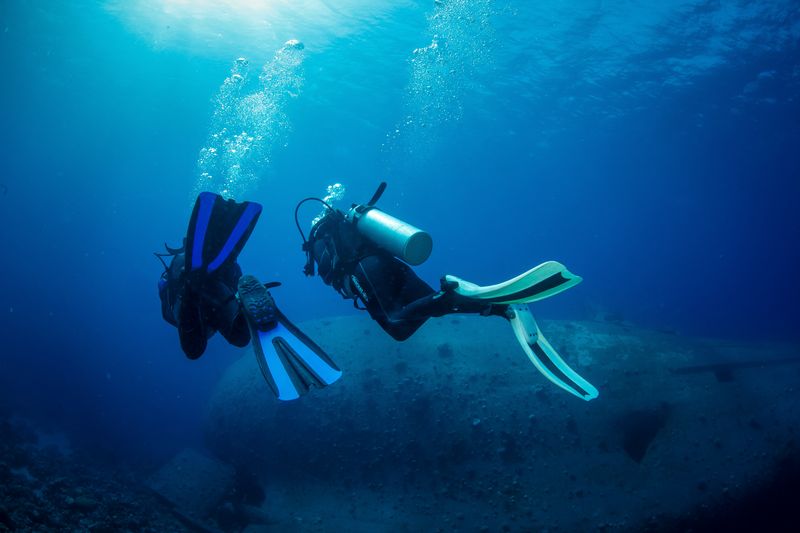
(254, 108)
(444, 70)
(294, 44)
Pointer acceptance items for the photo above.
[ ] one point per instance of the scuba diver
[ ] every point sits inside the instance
(365, 253)
(202, 291)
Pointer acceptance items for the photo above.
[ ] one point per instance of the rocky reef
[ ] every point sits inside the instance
(454, 429)
(45, 486)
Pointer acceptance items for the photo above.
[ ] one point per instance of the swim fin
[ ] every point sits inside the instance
(538, 283)
(544, 356)
(218, 230)
(290, 362)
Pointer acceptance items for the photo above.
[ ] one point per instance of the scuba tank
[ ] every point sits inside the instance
(399, 238)
(367, 224)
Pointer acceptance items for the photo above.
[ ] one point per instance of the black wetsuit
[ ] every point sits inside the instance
(392, 293)
(198, 287)
(201, 305)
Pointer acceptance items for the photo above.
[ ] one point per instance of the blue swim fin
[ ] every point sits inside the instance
(290, 362)
(218, 230)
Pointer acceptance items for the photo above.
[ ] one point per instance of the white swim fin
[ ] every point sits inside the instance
(544, 356)
(538, 283)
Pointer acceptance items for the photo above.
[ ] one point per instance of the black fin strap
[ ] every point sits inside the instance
(176, 251)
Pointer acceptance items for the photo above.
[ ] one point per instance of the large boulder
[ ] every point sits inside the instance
(193, 485)
(456, 427)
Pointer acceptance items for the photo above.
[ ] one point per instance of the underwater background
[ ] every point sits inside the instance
(651, 147)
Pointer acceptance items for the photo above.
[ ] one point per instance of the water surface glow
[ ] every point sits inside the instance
(255, 28)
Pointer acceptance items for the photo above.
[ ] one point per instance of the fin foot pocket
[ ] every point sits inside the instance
(257, 303)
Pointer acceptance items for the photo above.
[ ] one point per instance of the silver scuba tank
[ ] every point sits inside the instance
(399, 238)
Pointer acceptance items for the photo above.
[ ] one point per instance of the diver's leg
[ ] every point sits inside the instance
(227, 311)
(401, 302)
(239, 334)
(233, 325)
(192, 330)
(386, 285)
(447, 302)
(181, 308)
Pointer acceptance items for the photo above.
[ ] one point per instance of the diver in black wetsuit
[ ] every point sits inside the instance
(201, 307)
(201, 299)
(364, 254)
(202, 291)
(391, 292)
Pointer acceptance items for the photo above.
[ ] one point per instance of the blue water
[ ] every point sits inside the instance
(652, 150)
